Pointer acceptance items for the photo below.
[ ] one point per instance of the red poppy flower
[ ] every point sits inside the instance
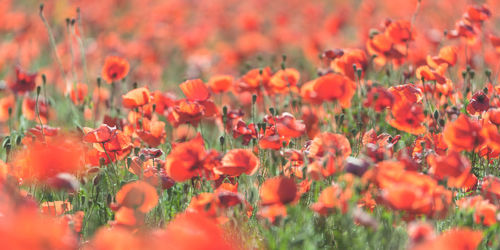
(195, 90)
(463, 134)
(42, 160)
(344, 64)
(335, 87)
(25, 82)
(447, 54)
(400, 32)
(379, 98)
(283, 81)
(137, 195)
(478, 103)
(194, 231)
(136, 98)
(78, 93)
(408, 117)
(278, 190)
(29, 110)
(477, 13)
(114, 69)
(102, 134)
(453, 239)
(186, 160)
(455, 167)
(237, 162)
(6, 103)
(152, 132)
(328, 200)
(288, 126)
(220, 83)
(186, 112)
(253, 80)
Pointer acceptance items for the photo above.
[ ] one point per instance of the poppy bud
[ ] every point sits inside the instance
(254, 98)
(487, 72)
(154, 107)
(134, 85)
(41, 7)
(98, 82)
(109, 198)
(485, 90)
(67, 21)
(271, 110)
(6, 142)
(468, 68)
(359, 72)
(464, 74)
(224, 110)
(472, 73)
(129, 162)
(222, 140)
(441, 122)
(38, 89)
(10, 111)
(44, 79)
(354, 67)
(436, 115)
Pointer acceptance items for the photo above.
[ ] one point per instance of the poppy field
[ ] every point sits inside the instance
(223, 124)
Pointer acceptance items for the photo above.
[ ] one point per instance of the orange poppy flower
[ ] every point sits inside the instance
(115, 69)
(99, 135)
(186, 112)
(152, 132)
(192, 230)
(288, 126)
(406, 93)
(283, 81)
(328, 200)
(29, 110)
(330, 144)
(379, 98)
(495, 41)
(425, 73)
(475, 13)
(25, 82)
(43, 160)
(137, 195)
(195, 90)
(272, 212)
(453, 239)
(78, 93)
(493, 115)
(455, 167)
(237, 162)
(491, 188)
(400, 32)
(447, 54)
(27, 229)
(344, 64)
(6, 103)
(56, 208)
(463, 134)
(408, 117)
(253, 80)
(278, 190)
(136, 98)
(220, 83)
(95, 157)
(332, 87)
(186, 160)
(115, 238)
